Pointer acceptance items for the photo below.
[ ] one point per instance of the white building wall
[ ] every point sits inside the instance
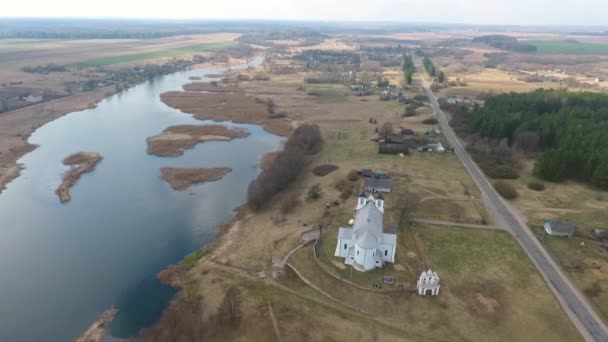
(370, 259)
(390, 253)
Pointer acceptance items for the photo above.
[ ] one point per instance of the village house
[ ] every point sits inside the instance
(428, 283)
(393, 144)
(378, 184)
(438, 147)
(432, 133)
(560, 228)
(365, 246)
(34, 97)
(599, 234)
(367, 173)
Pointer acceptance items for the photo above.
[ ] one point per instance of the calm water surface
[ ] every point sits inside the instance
(62, 265)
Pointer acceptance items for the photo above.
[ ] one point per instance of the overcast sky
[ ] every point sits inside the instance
(535, 12)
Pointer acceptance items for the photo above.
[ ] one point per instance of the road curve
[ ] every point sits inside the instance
(574, 303)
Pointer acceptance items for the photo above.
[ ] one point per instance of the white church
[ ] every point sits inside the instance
(365, 246)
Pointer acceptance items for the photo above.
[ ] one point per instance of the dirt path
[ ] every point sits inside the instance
(275, 324)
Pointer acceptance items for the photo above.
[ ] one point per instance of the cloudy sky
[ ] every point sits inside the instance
(538, 12)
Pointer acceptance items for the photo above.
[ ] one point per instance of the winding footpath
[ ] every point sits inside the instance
(574, 303)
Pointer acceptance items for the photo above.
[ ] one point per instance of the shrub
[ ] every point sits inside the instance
(410, 111)
(421, 98)
(506, 190)
(501, 172)
(353, 176)
(346, 188)
(536, 186)
(324, 170)
(430, 121)
(314, 193)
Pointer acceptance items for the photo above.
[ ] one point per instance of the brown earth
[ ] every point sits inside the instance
(210, 87)
(96, 332)
(236, 107)
(181, 179)
(81, 163)
(175, 139)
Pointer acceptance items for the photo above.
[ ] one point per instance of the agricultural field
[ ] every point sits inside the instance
(569, 47)
(174, 52)
(19, 53)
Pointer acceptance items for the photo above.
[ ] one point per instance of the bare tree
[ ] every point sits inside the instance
(386, 129)
(407, 204)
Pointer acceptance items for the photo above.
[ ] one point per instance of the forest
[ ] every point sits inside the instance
(569, 129)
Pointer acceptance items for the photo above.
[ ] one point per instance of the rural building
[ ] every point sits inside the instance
(599, 234)
(367, 173)
(378, 185)
(559, 228)
(432, 133)
(387, 148)
(428, 283)
(393, 144)
(365, 246)
(431, 148)
(34, 97)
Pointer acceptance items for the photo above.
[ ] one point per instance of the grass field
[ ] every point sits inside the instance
(488, 288)
(175, 52)
(569, 47)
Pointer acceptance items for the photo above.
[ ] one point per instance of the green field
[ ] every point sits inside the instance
(570, 47)
(103, 61)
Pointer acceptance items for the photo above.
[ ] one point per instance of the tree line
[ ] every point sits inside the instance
(408, 67)
(429, 66)
(305, 141)
(570, 129)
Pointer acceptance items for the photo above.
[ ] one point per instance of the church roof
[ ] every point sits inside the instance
(366, 241)
(345, 234)
(368, 219)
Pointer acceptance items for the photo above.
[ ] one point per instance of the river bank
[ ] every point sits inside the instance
(125, 223)
(18, 125)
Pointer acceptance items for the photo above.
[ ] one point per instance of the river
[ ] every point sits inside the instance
(61, 265)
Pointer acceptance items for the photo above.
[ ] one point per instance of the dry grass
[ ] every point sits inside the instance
(236, 107)
(324, 170)
(181, 179)
(81, 163)
(175, 139)
(209, 87)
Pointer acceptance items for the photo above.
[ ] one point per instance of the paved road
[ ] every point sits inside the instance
(574, 303)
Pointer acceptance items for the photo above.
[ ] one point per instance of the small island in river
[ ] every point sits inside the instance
(80, 163)
(181, 179)
(175, 139)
